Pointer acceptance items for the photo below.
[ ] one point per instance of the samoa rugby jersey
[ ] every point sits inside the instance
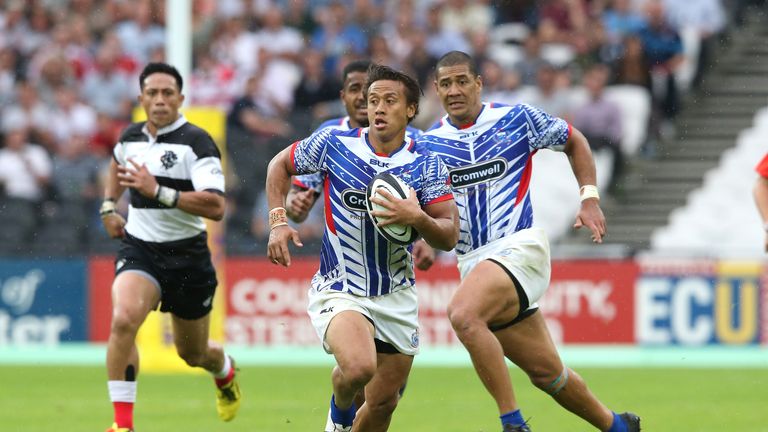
(490, 163)
(314, 181)
(354, 257)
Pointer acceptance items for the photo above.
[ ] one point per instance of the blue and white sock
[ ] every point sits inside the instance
(514, 418)
(340, 416)
(618, 424)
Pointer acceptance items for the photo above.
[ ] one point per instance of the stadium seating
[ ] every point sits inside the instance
(720, 217)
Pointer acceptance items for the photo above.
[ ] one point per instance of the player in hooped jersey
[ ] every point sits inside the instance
(362, 301)
(306, 188)
(504, 263)
(760, 192)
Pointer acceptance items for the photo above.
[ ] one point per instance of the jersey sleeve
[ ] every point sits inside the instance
(762, 167)
(312, 181)
(206, 171)
(308, 155)
(118, 153)
(544, 130)
(436, 186)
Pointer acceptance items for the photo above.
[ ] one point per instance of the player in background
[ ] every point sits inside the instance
(363, 301)
(761, 195)
(504, 263)
(172, 170)
(306, 188)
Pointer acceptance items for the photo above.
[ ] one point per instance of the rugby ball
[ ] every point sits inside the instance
(395, 233)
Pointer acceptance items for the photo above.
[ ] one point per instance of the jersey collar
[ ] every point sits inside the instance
(166, 129)
(466, 125)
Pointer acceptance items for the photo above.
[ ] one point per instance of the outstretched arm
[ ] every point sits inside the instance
(583, 166)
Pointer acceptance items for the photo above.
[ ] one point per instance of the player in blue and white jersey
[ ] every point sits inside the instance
(362, 301)
(308, 187)
(505, 263)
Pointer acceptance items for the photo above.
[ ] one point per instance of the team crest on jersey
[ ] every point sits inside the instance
(169, 159)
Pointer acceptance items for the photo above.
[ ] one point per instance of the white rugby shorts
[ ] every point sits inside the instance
(395, 316)
(525, 254)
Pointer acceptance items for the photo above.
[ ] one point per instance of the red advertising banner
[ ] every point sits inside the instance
(591, 302)
(101, 272)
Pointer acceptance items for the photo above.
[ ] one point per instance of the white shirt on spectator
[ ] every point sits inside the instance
(18, 171)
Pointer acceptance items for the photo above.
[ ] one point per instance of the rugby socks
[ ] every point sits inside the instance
(123, 396)
(342, 417)
(514, 418)
(226, 374)
(618, 424)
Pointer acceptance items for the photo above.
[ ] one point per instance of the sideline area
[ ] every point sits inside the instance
(581, 356)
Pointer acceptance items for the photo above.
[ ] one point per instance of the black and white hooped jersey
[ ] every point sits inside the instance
(314, 181)
(490, 163)
(183, 157)
(354, 257)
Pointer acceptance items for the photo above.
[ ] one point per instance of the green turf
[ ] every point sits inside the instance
(74, 398)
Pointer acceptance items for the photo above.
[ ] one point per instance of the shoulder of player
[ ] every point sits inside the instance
(197, 138)
(334, 123)
(133, 132)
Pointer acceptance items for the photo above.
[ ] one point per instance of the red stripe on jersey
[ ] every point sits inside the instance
(525, 179)
(293, 155)
(445, 197)
(762, 167)
(299, 183)
(327, 202)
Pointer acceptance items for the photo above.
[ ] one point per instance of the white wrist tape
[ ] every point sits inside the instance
(588, 191)
(167, 196)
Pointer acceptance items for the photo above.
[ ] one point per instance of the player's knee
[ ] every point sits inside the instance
(125, 321)
(551, 381)
(383, 407)
(463, 321)
(358, 375)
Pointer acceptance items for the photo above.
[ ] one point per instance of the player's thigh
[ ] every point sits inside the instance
(191, 336)
(486, 293)
(391, 374)
(134, 295)
(349, 337)
(529, 345)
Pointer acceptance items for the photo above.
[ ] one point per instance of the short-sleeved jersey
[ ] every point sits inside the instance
(490, 163)
(314, 181)
(354, 257)
(762, 167)
(183, 157)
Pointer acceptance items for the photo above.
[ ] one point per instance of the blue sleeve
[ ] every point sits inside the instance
(544, 130)
(309, 154)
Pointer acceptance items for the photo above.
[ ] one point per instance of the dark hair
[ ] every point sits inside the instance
(456, 58)
(355, 66)
(165, 68)
(379, 72)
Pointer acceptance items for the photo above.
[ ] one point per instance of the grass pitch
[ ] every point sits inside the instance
(74, 398)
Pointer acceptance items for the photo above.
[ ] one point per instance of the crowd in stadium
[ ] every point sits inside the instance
(69, 80)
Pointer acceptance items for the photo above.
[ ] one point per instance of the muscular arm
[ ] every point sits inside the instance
(279, 174)
(583, 166)
(113, 189)
(440, 226)
(207, 204)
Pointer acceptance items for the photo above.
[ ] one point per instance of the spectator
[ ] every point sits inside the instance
(106, 88)
(25, 168)
(419, 61)
(599, 119)
(76, 173)
(528, 66)
(70, 116)
(29, 110)
(547, 95)
(441, 39)
(280, 50)
(337, 36)
(140, 34)
(317, 95)
(213, 82)
(466, 16)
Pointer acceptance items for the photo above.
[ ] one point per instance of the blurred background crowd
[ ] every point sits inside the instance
(617, 69)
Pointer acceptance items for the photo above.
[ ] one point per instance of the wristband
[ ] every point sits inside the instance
(107, 207)
(277, 217)
(167, 196)
(588, 191)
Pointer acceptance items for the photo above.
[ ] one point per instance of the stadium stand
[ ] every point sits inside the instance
(70, 62)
